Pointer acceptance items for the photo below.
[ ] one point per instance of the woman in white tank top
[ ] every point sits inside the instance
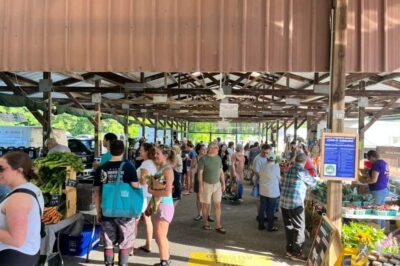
(20, 217)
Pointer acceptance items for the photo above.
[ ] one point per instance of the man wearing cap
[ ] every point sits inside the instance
(269, 192)
(293, 193)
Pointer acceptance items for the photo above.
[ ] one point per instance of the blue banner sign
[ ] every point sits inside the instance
(340, 156)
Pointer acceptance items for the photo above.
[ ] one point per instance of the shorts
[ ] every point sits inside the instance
(118, 230)
(211, 191)
(17, 258)
(165, 212)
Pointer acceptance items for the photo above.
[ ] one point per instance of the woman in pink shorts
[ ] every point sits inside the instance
(164, 160)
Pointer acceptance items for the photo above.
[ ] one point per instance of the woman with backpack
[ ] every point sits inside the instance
(21, 211)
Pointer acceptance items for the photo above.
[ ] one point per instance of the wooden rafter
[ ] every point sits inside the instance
(20, 92)
(383, 111)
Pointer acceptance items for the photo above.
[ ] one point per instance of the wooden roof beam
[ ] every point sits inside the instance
(21, 92)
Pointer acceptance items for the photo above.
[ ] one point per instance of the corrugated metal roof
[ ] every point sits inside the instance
(167, 35)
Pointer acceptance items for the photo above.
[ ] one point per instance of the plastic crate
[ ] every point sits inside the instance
(78, 245)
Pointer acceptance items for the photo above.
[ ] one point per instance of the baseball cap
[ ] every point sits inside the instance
(271, 156)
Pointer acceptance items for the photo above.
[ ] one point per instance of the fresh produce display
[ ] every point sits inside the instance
(51, 215)
(382, 210)
(60, 159)
(351, 196)
(53, 172)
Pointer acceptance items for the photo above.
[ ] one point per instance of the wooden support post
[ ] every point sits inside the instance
(361, 124)
(277, 136)
(155, 130)
(165, 131)
(337, 104)
(236, 134)
(272, 133)
(144, 127)
(266, 132)
(126, 132)
(295, 129)
(285, 132)
(97, 126)
(187, 124)
(47, 114)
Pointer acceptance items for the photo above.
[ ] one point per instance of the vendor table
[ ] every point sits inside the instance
(47, 243)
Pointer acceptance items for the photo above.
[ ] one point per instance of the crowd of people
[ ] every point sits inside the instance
(210, 171)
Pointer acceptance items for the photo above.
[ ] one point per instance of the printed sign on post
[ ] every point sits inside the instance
(339, 156)
(229, 110)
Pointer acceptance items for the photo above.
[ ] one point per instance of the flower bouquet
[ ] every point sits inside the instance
(155, 182)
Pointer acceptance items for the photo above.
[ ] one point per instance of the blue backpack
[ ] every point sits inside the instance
(120, 199)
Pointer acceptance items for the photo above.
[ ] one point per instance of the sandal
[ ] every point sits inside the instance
(207, 227)
(220, 230)
(143, 248)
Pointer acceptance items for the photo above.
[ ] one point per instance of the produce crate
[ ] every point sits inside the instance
(359, 212)
(70, 194)
(380, 212)
(347, 211)
(78, 245)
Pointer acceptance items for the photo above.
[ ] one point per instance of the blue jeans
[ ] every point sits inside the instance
(240, 189)
(267, 205)
(379, 197)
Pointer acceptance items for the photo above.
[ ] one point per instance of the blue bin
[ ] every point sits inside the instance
(78, 245)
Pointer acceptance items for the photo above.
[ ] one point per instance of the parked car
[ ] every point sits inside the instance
(79, 148)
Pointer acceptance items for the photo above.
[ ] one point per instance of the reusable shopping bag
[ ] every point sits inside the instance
(120, 199)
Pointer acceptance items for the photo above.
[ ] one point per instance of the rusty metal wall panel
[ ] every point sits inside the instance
(165, 35)
(373, 36)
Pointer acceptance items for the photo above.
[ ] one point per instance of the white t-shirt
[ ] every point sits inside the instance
(59, 148)
(152, 170)
(270, 175)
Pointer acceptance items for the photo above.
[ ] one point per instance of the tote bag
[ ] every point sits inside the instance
(120, 199)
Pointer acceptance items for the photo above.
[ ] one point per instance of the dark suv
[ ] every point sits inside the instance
(76, 146)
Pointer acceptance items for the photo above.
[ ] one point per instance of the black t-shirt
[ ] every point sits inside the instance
(107, 173)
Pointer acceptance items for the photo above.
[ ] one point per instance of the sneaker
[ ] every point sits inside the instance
(198, 218)
(299, 257)
(288, 254)
(210, 219)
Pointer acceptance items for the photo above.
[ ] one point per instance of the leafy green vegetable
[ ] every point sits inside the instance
(60, 159)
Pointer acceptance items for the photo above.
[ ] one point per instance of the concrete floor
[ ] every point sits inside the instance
(186, 236)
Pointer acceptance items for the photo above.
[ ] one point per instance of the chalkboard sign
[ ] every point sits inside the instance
(55, 200)
(322, 241)
(339, 156)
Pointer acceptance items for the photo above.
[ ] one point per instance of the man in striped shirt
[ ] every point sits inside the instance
(293, 193)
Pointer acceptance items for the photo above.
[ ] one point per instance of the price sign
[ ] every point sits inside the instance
(229, 110)
(71, 183)
(339, 156)
(55, 200)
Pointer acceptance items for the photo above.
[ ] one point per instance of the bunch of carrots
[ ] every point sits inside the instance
(51, 215)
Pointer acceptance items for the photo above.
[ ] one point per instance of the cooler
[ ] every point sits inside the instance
(78, 245)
